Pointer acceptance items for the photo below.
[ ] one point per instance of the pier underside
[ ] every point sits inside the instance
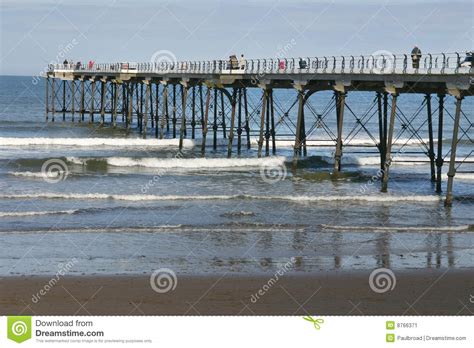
(248, 111)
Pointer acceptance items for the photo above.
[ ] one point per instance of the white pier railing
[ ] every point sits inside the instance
(428, 64)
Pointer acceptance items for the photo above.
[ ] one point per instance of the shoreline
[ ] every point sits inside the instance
(416, 292)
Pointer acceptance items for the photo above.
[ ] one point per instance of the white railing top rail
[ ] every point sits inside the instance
(427, 64)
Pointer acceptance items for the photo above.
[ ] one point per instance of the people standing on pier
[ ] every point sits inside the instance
(415, 57)
(242, 62)
(281, 64)
(302, 63)
(233, 62)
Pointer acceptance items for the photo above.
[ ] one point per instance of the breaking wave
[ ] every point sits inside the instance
(183, 163)
(297, 199)
(90, 142)
(399, 228)
(36, 213)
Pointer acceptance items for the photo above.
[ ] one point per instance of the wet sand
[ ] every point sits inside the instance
(417, 292)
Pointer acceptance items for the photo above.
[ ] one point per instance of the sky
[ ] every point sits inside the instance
(35, 33)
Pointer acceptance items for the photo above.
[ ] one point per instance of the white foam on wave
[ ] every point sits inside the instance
(35, 213)
(195, 163)
(399, 228)
(29, 174)
(90, 142)
(166, 228)
(297, 199)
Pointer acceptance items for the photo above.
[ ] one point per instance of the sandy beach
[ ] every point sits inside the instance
(417, 292)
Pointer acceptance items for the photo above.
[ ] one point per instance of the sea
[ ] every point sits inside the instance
(108, 202)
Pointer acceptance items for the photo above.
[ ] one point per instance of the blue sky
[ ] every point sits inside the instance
(36, 32)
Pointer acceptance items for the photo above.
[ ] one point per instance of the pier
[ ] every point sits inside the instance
(190, 99)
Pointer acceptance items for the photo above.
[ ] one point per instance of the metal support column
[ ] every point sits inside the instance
(164, 117)
(129, 120)
(91, 111)
(174, 120)
(124, 101)
(388, 154)
(193, 113)
(182, 131)
(247, 119)
(204, 120)
(114, 110)
(262, 122)
(157, 106)
(102, 102)
(340, 103)
(267, 125)
(224, 128)
(439, 157)
(232, 123)
(214, 126)
(147, 108)
(452, 161)
(152, 118)
(299, 121)
(385, 117)
(201, 105)
(81, 118)
(382, 140)
(64, 101)
(239, 122)
(73, 97)
(53, 97)
(139, 96)
(272, 116)
(47, 99)
(431, 154)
